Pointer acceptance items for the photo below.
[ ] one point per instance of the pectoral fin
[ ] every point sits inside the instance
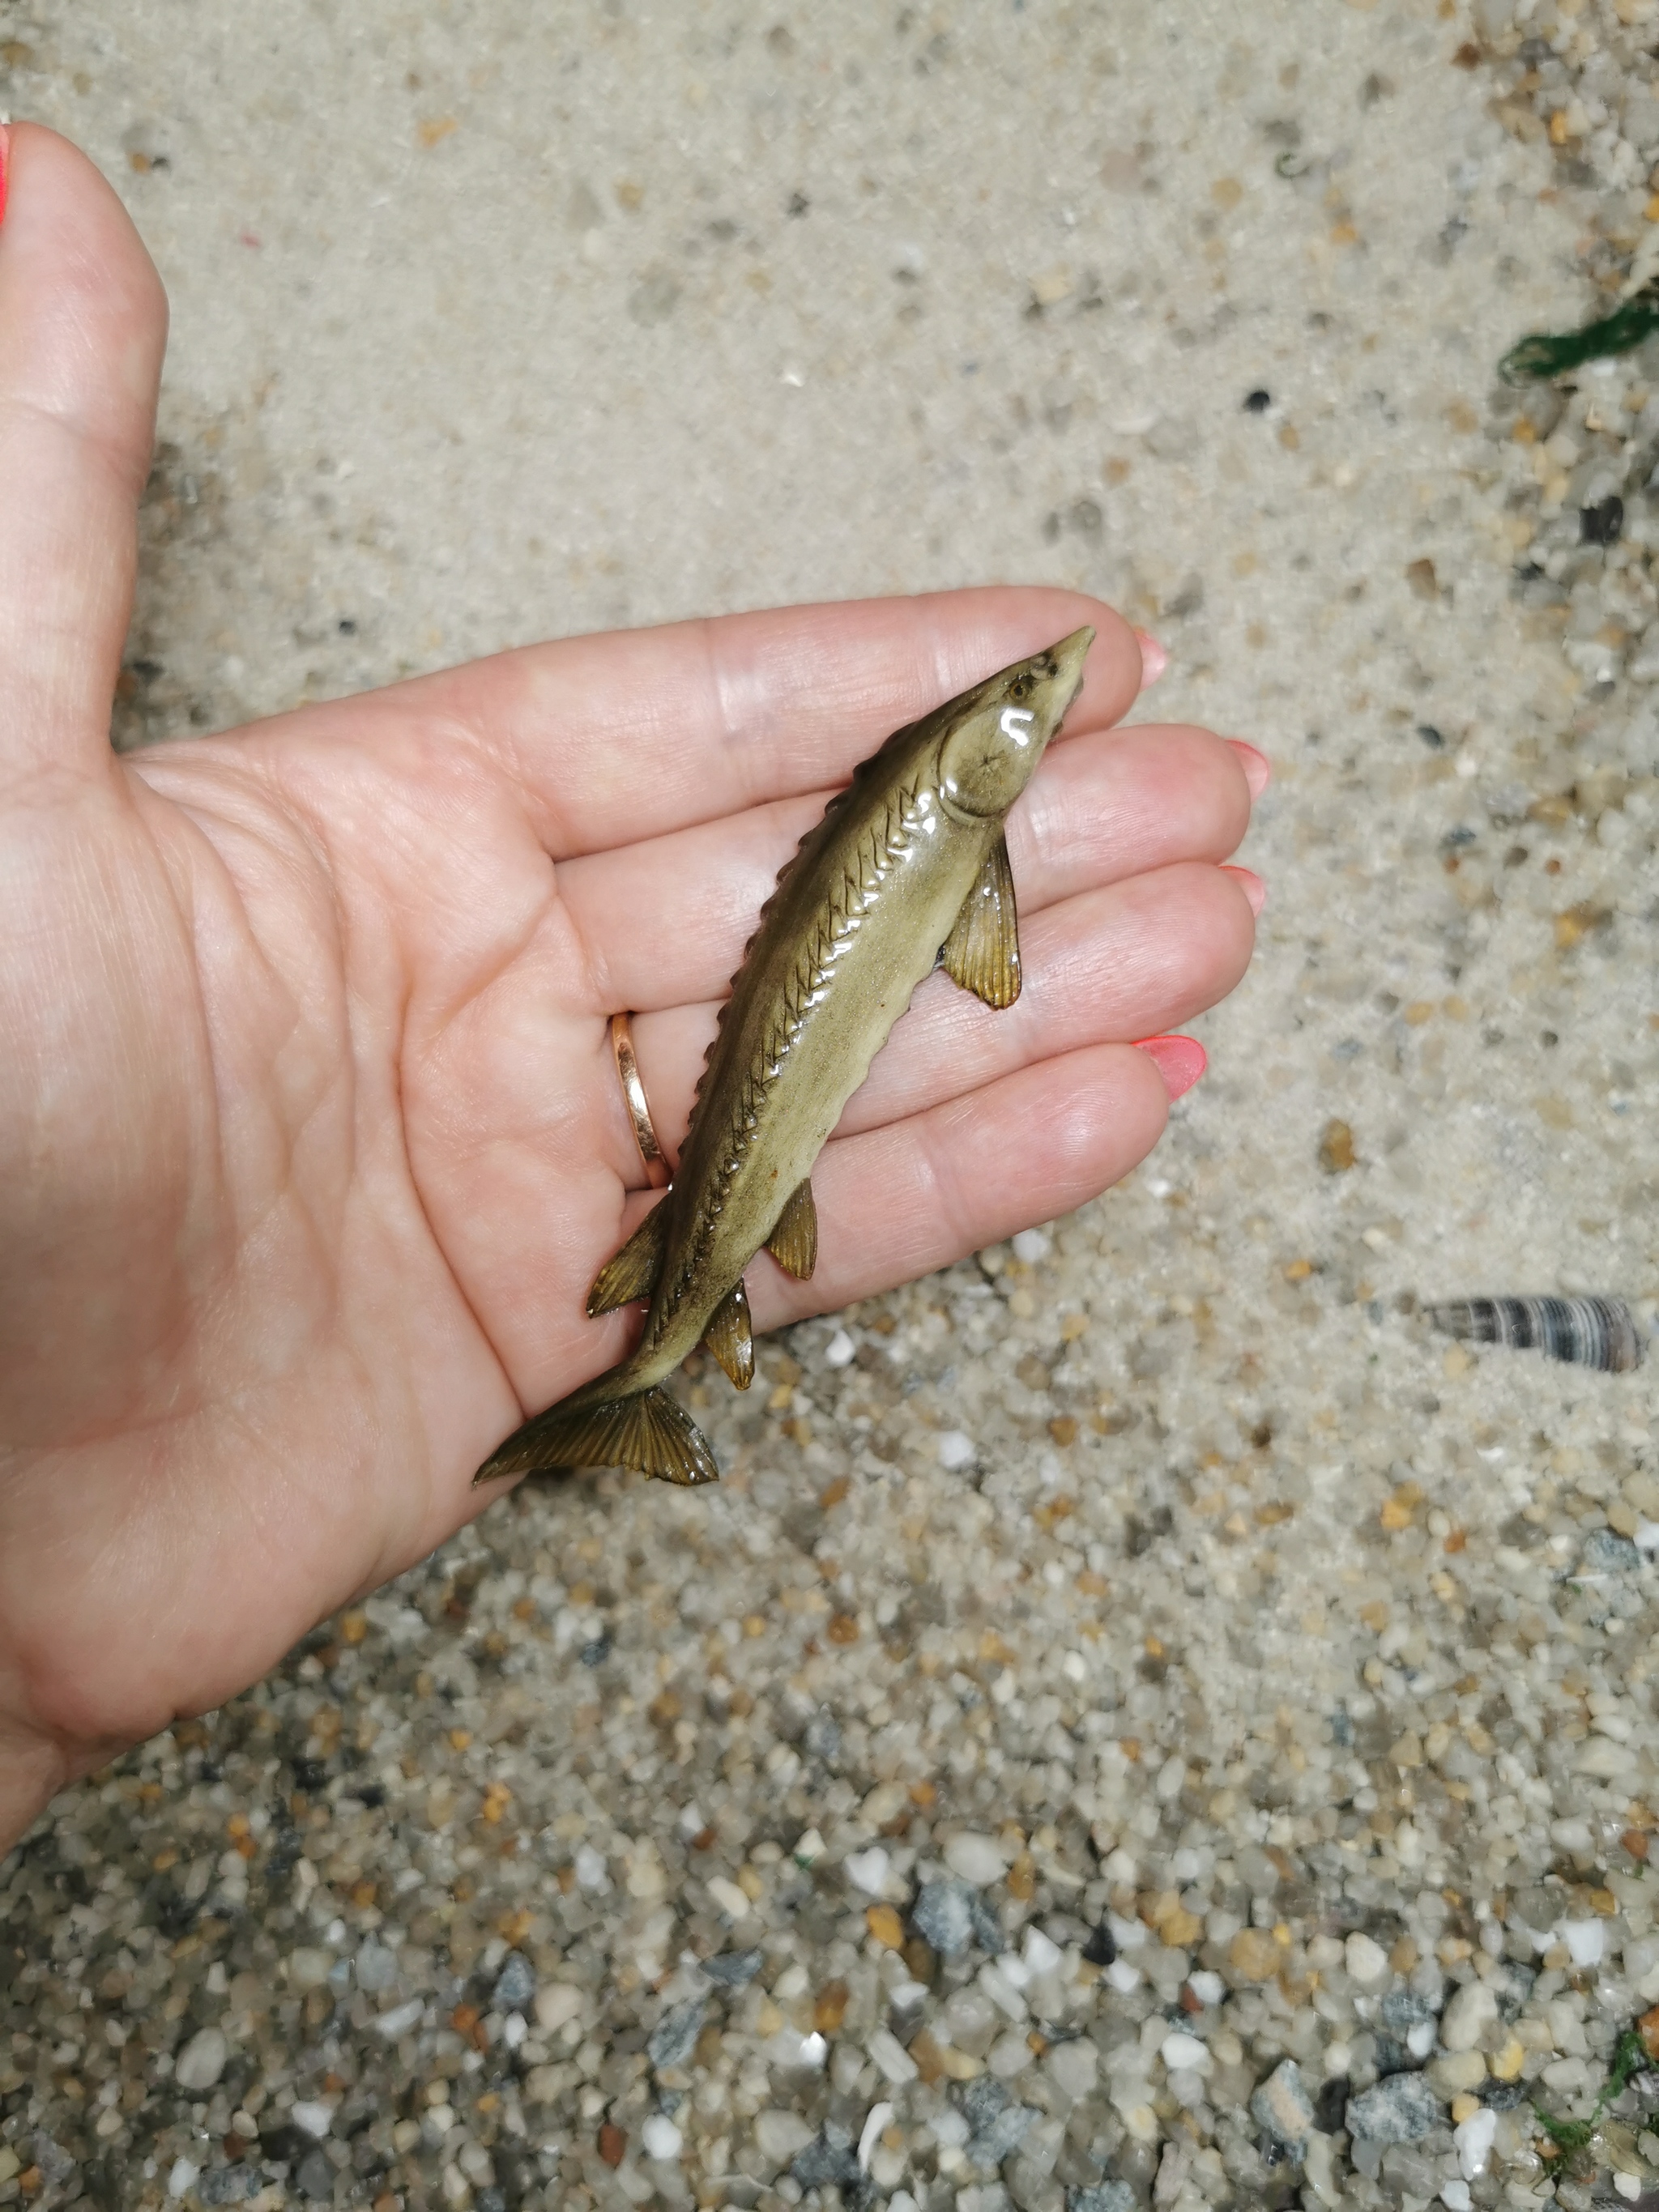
(794, 1242)
(981, 953)
(633, 1272)
(731, 1338)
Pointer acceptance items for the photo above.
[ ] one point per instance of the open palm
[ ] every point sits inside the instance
(310, 1136)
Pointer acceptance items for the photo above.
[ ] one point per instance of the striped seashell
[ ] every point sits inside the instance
(1589, 1332)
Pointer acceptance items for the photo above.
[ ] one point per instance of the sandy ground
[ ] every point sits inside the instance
(490, 324)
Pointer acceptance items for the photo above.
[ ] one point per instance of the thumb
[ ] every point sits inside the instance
(82, 327)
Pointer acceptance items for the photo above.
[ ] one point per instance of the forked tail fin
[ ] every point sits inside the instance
(649, 1432)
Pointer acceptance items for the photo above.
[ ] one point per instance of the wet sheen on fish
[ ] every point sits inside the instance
(907, 870)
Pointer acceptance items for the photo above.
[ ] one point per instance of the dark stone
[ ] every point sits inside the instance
(1257, 401)
(828, 2162)
(596, 1653)
(310, 1775)
(1600, 525)
(315, 2179)
(822, 1736)
(1430, 736)
(1100, 1950)
(1329, 2104)
(734, 1970)
(233, 2184)
(675, 2036)
(515, 1985)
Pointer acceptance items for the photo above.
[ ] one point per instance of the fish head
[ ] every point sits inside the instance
(996, 735)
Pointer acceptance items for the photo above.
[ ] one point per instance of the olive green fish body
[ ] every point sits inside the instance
(909, 859)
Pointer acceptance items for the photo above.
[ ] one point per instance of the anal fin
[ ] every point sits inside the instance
(794, 1242)
(650, 1432)
(632, 1272)
(981, 953)
(730, 1337)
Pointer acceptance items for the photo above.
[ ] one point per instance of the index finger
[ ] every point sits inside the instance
(624, 736)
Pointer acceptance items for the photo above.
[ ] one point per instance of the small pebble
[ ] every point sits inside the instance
(202, 2061)
(955, 1450)
(1475, 2138)
(1400, 2110)
(1282, 2107)
(978, 1860)
(660, 2138)
(868, 1871)
(840, 1350)
(1031, 1246)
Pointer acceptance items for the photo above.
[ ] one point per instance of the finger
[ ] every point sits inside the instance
(617, 737)
(664, 922)
(898, 1202)
(85, 322)
(1131, 960)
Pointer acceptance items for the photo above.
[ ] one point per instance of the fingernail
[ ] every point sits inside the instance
(1154, 660)
(5, 166)
(1252, 887)
(1258, 768)
(1180, 1060)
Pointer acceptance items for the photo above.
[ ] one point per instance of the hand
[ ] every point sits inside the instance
(310, 1135)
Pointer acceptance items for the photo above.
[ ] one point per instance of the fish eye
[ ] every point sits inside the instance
(1019, 686)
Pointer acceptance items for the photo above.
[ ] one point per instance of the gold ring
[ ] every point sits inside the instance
(639, 1113)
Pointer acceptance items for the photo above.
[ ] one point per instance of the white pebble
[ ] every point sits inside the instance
(732, 1901)
(1628, 2186)
(893, 2061)
(955, 1450)
(308, 1968)
(1075, 2065)
(839, 1352)
(514, 2028)
(661, 2138)
(1123, 1977)
(1209, 1989)
(1365, 1960)
(316, 2119)
(1180, 2051)
(779, 2135)
(400, 2019)
(182, 2177)
(1471, 2012)
(867, 1870)
(591, 1868)
(556, 2003)
(1455, 2195)
(1585, 1941)
(1475, 2138)
(1031, 1246)
(202, 2061)
(976, 1859)
(1572, 1835)
(871, 2135)
(1043, 1954)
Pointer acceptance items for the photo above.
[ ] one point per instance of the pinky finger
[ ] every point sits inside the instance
(898, 1202)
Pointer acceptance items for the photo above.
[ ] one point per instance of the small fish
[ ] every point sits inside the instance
(1588, 1332)
(911, 859)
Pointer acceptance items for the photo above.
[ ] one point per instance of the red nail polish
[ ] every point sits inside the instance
(1180, 1060)
(1154, 659)
(1252, 887)
(5, 166)
(1258, 768)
